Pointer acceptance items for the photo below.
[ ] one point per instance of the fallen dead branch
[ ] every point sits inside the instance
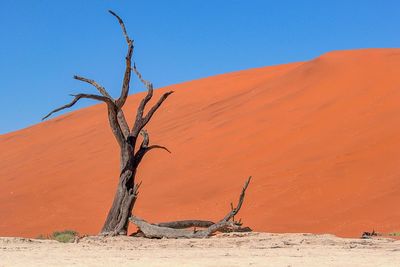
(178, 229)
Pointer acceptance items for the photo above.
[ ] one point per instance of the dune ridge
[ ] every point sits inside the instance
(320, 138)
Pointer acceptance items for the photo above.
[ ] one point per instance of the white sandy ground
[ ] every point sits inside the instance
(250, 249)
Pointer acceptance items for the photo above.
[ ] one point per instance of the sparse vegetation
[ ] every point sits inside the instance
(66, 236)
(394, 234)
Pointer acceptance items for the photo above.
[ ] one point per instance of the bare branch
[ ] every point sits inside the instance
(140, 77)
(100, 88)
(122, 26)
(158, 146)
(151, 112)
(141, 120)
(125, 85)
(234, 211)
(76, 99)
(145, 143)
(144, 147)
(146, 99)
(112, 113)
(120, 115)
(127, 76)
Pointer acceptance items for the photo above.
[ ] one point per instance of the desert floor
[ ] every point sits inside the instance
(250, 249)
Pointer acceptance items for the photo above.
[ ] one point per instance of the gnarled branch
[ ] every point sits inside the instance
(112, 113)
(141, 120)
(100, 88)
(76, 99)
(120, 114)
(146, 99)
(144, 147)
(145, 143)
(127, 76)
(159, 147)
(151, 112)
(234, 211)
(140, 77)
(121, 22)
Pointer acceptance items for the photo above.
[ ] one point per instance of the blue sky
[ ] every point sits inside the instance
(44, 42)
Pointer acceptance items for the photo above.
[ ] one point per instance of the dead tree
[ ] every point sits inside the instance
(177, 229)
(127, 190)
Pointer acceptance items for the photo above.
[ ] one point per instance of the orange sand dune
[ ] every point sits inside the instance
(321, 139)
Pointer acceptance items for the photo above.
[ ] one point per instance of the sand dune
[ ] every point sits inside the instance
(321, 139)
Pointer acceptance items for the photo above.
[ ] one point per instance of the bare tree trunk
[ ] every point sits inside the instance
(119, 212)
(125, 196)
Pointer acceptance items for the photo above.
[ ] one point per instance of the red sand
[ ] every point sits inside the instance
(320, 138)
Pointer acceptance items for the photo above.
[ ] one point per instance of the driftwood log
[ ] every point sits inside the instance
(177, 229)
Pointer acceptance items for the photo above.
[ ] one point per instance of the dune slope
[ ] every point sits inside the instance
(321, 139)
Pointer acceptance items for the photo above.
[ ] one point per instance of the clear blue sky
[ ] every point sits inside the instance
(45, 42)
